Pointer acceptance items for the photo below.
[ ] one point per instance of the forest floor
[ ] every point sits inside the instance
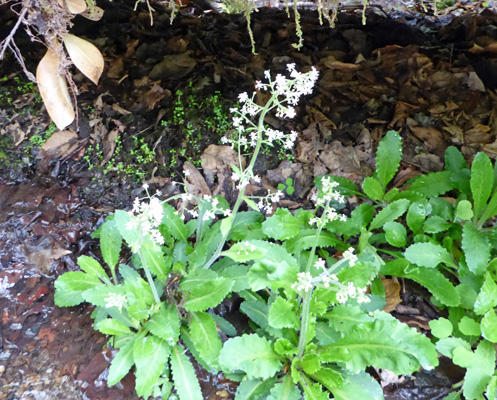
(163, 99)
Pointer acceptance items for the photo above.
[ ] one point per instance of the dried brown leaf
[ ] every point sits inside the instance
(392, 294)
(61, 143)
(85, 56)
(73, 6)
(53, 90)
(93, 13)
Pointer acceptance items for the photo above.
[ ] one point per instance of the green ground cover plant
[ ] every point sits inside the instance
(310, 281)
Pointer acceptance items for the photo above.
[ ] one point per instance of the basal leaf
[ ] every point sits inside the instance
(122, 363)
(111, 326)
(435, 224)
(482, 174)
(282, 314)
(476, 248)
(388, 157)
(257, 311)
(395, 234)
(313, 391)
(345, 186)
(487, 297)
(480, 371)
(174, 223)
(207, 295)
(98, 295)
(431, 279)
(122, 219)
(306, 239)
(373, 188)
(358, 386)
(389, 213)
(225, 326)
(388, 344)
(441, 327)
(110, 242)
(152, 256)
(464, 210)
(428, 255)
(345, 316)
(150, 354)
(468, 326)
(69, 287)
(282, 225)
(92, 267)
(458, 168)
(254, 389)
(446, 346)
(489, 326)
(247, 226)
(251, 354)
(416, 215)
(184, 378)
(285, 390)
(432, 184)
(165, 323)
(203, 333)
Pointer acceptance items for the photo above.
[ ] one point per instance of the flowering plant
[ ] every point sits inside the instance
(313, 327)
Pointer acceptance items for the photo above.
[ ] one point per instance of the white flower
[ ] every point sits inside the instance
(145, 186)
(186, 172)
(209, 214)
(259, 85)
(115, 300)
(320, 263)
(304, 282)
(243, 97)
(350, 256)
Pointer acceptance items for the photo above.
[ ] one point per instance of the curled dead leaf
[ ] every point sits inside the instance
(53, 90)
(73, 6)
(85, 56)
(94, 13)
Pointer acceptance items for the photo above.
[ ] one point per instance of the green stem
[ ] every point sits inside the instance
(306, 303)
(150, 279)
(239, 200)
(114, 277)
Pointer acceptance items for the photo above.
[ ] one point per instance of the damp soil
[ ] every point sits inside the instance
(403, 73)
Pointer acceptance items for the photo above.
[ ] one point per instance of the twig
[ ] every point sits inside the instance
(5, 43)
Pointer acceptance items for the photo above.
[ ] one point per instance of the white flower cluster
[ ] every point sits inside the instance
(209, 214)
(304, 282)
(288, 92)
(327, 195)
(146, 217)
(265, 203)
(115, 300)
(351, 292)
(349, 256)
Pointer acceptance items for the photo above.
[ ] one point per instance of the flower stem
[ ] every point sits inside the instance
(248, 170)
(150, 279)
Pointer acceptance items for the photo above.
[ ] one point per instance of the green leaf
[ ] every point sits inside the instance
(207, 294)
(431, 279)
(345, 316)
(395, 234)
(152, 256)
(373, 188)
(345, 186)
(435, 224)
(489, 326)
(184, 378)
(329, 378)
(69, 288)
(428, 255)
(257, 311)
(285, 390)
(441, 327)
(174, 223)
(110, 242)
(446, 346)
(464, 210)
(482, 174)
(150, 354)
(476, 248)
(458, 168)
(358, 386)
(111, 326)
(388, 344)
(251, 354)
(247, 226)
(310, 363)
(432, 184)
(165, 323)
(480, 370)
(122, 363)
(416, 215)
(306, 239)
(98, 294)
(487, 297)
(468, 326)
(389, 213)
(92, 267)
(388, 157)
(282, 225)
(203, 333)
(282, 314)
(122, 218)
(254, 389)
(225, 326)
(313, 391)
